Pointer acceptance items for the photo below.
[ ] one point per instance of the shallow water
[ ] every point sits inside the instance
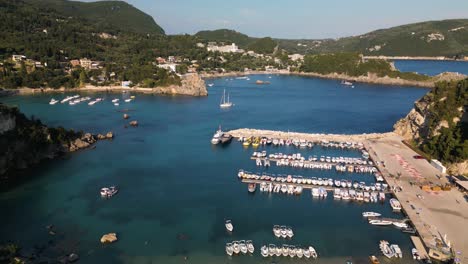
(176, 189)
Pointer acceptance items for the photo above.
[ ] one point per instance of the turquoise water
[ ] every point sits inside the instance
(432, 67)
(176, 189)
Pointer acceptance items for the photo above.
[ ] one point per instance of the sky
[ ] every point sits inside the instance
(308, 19)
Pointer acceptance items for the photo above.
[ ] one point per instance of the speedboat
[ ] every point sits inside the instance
(128, 100)
(370, 214)
(271, 249)
(415, 254)
(380, 222)
(229, 249)
(397, 251)
(395, 204)
(236, 247)
(313, 253)
(229, 226)
(250, 246)
(277, 231)
(243, 247)
(107, 192)
(299, 252)
(386, 250)
(53, 101)
(284, 232)
(115, 100)
(306, 252)
(264, 251)
(292, 251)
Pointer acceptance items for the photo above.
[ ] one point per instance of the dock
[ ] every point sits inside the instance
(420, 247)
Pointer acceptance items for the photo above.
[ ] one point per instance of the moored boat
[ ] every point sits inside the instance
(229, 226)
(395, 204)
(264, 251)
(370, 214)
(386, 250)
(229, 249)
(250, 246)
(252, 187)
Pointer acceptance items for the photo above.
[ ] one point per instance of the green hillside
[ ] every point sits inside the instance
(432, 38)
(106, 15)
(225, 35)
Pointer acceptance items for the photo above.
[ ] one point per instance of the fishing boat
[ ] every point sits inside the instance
(386, 250)
(264, 251)
(374, 260)
(229, 226)
(236, 247)
(108, 192)
(370, 214)
(229, 249)
(224, 103)
(252, 187)
(415, 254)
(396, 249)
(53, 101)
(217, 137)
(250, 246)
(313, 253)
(395, 204)
(243, 247)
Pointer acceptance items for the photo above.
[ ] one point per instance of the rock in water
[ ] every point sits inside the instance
(109, 238)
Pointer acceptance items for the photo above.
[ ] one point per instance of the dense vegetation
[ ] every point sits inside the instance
(263, 46)
(448, 100)
(8, 253)
(29, 141)
(352, 64)
(225, 35)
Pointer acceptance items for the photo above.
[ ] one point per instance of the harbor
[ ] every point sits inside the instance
(382, 149)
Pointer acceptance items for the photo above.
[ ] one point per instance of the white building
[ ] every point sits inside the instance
(168, 66)
(296, 57)
(233, 48)
(17, 58)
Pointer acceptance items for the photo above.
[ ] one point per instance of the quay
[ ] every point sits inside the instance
(439, 217)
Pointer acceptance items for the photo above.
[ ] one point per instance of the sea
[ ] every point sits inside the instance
(176, 189)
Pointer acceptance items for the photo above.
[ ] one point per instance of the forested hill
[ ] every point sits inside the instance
(431, 38)
(106, 15)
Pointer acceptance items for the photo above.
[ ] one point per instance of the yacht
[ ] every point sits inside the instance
(395, 204)
(264, 251)
(386, 250)
(380, 222)
(271, 249)
(284, 232)
(229, 226)
(250, 246)
(217, 137)
(292, 251)
(370, 214)
(224, 103)
(107, 192)
(53, 101)
(229, 249)
(285, 250)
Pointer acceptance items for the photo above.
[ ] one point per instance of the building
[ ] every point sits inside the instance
(200, 45)
(18, 58)
(75, 63)
(86, 63)
(296, 57)
(233, 48)
(168, 66)
(438, 165)
(160, 60)
(126, 84)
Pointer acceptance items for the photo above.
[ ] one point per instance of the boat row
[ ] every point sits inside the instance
(314, 181)
(322, 166)
(283, 231)
(220, 137)
(324, 159)
(288, 251)
(344, 194)
(240, 247)
(247, 141)
(107, 192)
(390, 251)
(283, 188)
(76, 99)
(341, 145)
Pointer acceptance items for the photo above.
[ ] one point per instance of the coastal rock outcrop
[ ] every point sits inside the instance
(414, 125)
(109, 238)
(192, 84)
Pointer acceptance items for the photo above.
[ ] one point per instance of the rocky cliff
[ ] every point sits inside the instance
(414, 125)
(192, 84)
(25, 142)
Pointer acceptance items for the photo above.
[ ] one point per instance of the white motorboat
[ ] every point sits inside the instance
(299, 252)
(53, 101)
(243, 247)
(217, 137)
(115, 100)
(285, 250)
(396, 249)
(284, 232)
(224, 103)
(400, 224)
(277, 231)
(107, 192)
(306, 252)
(271, 249)
(210, 84)
(264, 251)
(236, 247)
(313, 253)
(315, 192)
(250, 246)
(292, 251)
(395, 204)
(128, 100)
(229, 226)
(229, 249)
(337, 193)
(278, 251)
(415, 254)
(370, 214)
(386, 250)
(380, 222)
(289, 232)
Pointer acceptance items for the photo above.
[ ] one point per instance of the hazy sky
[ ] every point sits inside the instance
(296, 18)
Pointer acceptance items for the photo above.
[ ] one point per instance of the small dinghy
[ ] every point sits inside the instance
(229, 226)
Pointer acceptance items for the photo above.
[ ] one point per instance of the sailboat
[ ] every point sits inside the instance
(224, 103)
